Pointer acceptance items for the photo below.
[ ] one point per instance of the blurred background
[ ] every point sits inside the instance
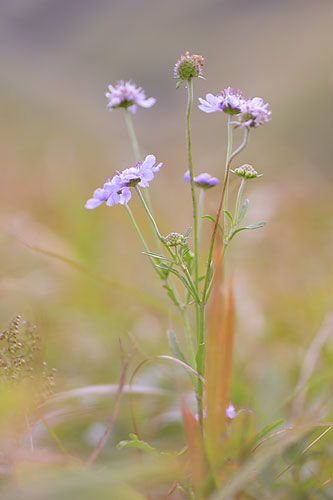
(59, 142)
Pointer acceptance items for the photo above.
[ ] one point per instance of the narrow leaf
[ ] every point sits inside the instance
(252, 226)
(213, 220)
(267, 429)
(134, 442)
(229, 215)
(243, 211)
(187, 232)
(195, 447)
(176, 273)
(174, 346)
(156, 256)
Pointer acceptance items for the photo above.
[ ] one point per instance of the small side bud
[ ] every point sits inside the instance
(246, 171)
(175, 239)
(188, 67)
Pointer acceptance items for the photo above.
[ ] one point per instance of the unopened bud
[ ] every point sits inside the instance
(174, 239)
(246, 171)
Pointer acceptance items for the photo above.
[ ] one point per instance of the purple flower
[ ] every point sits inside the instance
(231, 102)
(128, 95)
(249, 112)
(211, 104)
(226, 101)
(253, 113)
(117, 190)
(205, 181)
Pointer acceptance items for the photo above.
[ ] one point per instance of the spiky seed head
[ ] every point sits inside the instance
(188, 67)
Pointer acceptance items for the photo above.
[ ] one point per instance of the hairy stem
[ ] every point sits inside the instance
(190, 166)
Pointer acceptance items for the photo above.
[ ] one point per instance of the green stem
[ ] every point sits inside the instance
(141, 238)
(137, 156)
(201, 208)
(131, 132)
(238, 201)
(219, 210)
(190, 166)
(226, 194)
(189, 338)
(149, 214)
(200, 359)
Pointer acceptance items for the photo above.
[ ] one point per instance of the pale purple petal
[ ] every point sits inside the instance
(147, 103)
(125, 196)
(211, 104)
(187, 176)
(128, 95)
(93, 203)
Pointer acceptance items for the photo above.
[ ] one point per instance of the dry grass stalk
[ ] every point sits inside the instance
(219, 348)
(196, 453)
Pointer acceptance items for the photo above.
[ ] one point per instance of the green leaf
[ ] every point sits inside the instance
(243, 211)
(187, 232)
(267, 429)
(174, 346)
(134, 442)
(176, 273)
(230, 216)
(157, 256)
(171, 294)
(213, 220)
(178, 84)
(252, 226)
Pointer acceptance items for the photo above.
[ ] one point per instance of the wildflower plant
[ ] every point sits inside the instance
(206, 309)
(173, 258)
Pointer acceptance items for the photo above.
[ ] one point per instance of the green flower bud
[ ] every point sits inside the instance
(174, 239)
(246, 171)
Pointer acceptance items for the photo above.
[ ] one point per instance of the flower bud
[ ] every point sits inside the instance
(246, 171)
(174, 239)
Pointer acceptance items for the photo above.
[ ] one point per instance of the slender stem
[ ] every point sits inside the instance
(189, 338)
(137, 156)
(148, 212)
(141, 238)
(201, 208)
(219, 210)
(114, 413)
(201, 361)
(190, 166)
(238, 200)
(226, 194)
(131, 132)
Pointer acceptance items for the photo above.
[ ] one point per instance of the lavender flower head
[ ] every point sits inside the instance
(205, 181)
(211, 104)
(226, 101)
(248, 112)
(117, 190)
(127, 95)
(253, 113)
